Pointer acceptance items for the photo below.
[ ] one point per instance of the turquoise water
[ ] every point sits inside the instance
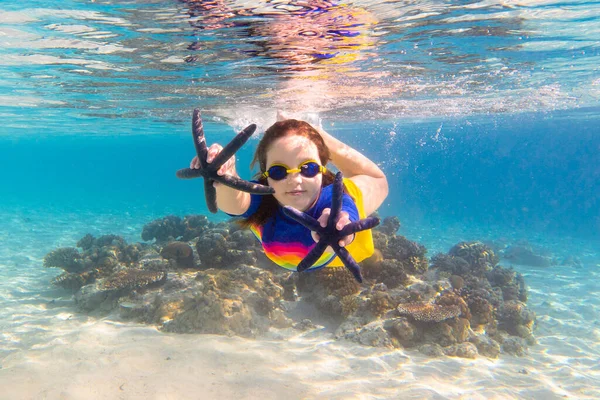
(484, 116)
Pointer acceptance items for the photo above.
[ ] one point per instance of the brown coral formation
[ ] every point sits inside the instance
(74, 281)
(132, 279)
(244, 301)
(427, 312)
(474, 253)
(204, 277)
(181, 253)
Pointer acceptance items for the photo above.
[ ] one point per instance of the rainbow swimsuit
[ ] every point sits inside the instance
(286, 242)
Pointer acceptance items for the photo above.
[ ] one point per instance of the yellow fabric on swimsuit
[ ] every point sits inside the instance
(362, 246)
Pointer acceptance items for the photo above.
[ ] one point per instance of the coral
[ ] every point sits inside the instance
(515, 346)
(180, 252)
(349, 305)
(110, 240)
(416, 265)
(427, 312)
(403, 331)
(74, 281)
(194, 226)
(501, 276)
(453, 265)
(211, 247)
(511, 283)
(242, 301)
(336, 281)
(131, 279)
(389, 226)
(380, 240)
(457, 282)
(218, 248)
(371, 264)
(522, 287)
(432, 350)
(400, 248)
(449, 298)
(474, 253)
(440, 333)
(168, 228)
(486, 346)
(462, 350)
(372, 334)
(515, 318)
(379, 303)
(86, 242)
(402, 302)
(327, 287)
(67, 258)
(390, 272)
(481, 309)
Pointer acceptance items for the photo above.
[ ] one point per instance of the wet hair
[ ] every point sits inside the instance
(289, 127)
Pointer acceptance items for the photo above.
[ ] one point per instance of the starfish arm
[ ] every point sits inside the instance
(233, 146)
(199, 139)
(336, 200)
(361, 225)
(210, 194)
(348, 261)
(303, 218)
(242, 185)
(312, 256)
(188, 173)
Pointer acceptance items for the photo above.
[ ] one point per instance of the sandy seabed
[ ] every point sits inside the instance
(48, 351)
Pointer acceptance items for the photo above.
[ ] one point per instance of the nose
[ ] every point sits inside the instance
(294, 177)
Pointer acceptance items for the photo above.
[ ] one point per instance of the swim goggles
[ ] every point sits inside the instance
(307, 169)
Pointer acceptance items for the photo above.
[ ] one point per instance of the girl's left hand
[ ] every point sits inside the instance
(342, 221)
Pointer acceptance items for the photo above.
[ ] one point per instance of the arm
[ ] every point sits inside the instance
(229, 200)
(369, 178)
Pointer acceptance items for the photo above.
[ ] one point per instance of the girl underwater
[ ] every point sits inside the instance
(292, 156)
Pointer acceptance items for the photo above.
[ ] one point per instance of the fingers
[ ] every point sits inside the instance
(342, 221)
(213, 151)
(324, 217)
(195, 163)
(346, 240)
(228, 167)
(281, 116)
(315, 236)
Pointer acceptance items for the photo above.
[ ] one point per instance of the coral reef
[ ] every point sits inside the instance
(67, 258)
(132, 279)
(428, 312)
(204, 277)
(390, 226)
(180, 252)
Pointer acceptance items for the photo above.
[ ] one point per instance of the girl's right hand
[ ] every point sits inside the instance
(228, 168)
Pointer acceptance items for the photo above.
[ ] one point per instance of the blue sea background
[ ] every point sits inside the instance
(535, 172)
(484, 116)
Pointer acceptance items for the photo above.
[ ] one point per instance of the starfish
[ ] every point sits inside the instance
(329, 235)
(209, 170)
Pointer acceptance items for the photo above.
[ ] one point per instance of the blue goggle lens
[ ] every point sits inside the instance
(308, 170)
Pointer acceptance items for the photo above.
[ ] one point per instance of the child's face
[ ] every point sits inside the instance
(294, 190)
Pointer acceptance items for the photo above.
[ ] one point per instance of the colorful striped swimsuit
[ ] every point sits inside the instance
(286, 242)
